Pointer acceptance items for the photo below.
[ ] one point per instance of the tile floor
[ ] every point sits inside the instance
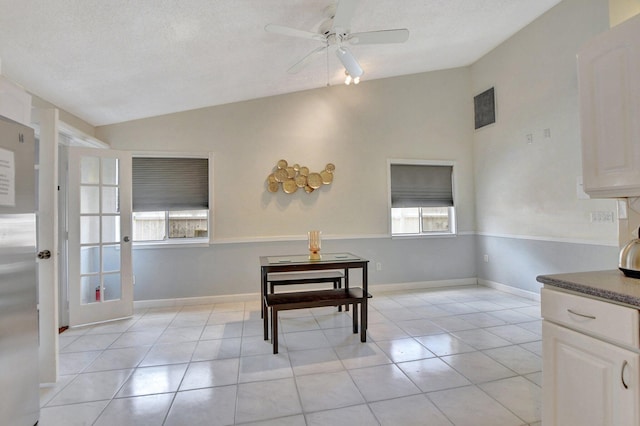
(456, 356)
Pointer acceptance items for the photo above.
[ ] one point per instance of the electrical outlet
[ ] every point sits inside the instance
(602, 217)
(378, 266)
(486, 258)
(529, 137)
(546, 133)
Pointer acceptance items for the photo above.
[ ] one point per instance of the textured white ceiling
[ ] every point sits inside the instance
(109, 61)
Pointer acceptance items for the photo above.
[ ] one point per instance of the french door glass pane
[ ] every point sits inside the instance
(109, 199)
(89, 288)
(109, 171)
(89, 170)
(110, 229)
(90, 260)
(112, 287)
(111, 258)
(89, 199)
(90, 229)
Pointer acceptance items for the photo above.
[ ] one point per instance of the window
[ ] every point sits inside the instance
(170, 198)
(422, 198)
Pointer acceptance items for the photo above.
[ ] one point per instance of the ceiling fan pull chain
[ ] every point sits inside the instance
(327, 53)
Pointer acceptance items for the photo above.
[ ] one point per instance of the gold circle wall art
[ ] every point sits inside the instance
(293, 177)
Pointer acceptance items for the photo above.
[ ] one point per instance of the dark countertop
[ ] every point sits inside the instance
(611, 285)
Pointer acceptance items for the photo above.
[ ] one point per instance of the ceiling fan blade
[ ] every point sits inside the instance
(379, 37)
(304, 61)
(344, 13)
(292, 32)
(349, 61)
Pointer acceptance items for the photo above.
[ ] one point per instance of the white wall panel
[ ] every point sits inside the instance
(529, 189)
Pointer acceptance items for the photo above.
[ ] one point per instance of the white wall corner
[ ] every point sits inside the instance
(15, 102)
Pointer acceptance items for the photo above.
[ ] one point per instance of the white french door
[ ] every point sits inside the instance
(100, 268)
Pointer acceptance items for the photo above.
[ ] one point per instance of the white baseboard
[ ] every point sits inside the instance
(202, 300)
(512, 290)
(419, 285)
(376, 288)
(255, 297)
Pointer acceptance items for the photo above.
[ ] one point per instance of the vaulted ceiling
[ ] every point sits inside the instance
(109, 61)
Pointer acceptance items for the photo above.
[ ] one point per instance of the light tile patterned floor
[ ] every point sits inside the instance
(456, 356)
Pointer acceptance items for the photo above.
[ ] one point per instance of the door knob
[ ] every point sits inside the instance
(44, 254)
(126, 239)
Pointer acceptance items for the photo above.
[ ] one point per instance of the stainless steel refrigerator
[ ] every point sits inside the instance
(19, 387)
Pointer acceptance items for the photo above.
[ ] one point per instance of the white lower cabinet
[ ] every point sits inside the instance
(587, 381)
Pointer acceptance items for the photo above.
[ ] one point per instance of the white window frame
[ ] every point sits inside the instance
(453, 216)
(182, 242)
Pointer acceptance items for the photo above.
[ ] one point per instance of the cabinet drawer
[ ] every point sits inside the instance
(602, 319)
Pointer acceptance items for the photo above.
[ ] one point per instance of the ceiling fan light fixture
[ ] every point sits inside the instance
(348, 79)
(349, 62)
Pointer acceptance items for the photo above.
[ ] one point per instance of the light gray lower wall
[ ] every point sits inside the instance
(234, 268)
(516, 262)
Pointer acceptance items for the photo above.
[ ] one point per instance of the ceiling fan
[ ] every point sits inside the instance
(335, 30)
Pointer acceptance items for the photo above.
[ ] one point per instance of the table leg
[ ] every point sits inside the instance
(265, 318)
(346, 283)
(263, 290)
(363, 308)
(274, 329)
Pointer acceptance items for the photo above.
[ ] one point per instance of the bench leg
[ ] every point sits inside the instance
(355, 318)
(336, 285)
(265, 318)
(363, 321)
(274, 329)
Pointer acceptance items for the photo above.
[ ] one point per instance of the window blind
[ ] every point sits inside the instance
(162, 183)
(421, 185)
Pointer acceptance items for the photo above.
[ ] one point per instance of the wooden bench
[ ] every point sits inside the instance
(289, 278)
(312, 299)
(315, 277)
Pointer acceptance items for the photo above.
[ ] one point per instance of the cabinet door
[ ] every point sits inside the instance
(609, 83)
(587, 381)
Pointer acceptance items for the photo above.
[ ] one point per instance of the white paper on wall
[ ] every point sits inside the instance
(7, 178)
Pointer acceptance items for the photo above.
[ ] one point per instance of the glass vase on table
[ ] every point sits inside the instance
(314, 244)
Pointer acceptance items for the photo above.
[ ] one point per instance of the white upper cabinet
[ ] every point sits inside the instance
(609, 84)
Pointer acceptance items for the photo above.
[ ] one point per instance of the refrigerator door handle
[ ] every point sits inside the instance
(44, 254)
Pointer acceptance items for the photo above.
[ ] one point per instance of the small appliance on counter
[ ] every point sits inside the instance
(630, 258)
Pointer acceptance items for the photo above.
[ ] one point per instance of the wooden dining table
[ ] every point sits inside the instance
(301, 263)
